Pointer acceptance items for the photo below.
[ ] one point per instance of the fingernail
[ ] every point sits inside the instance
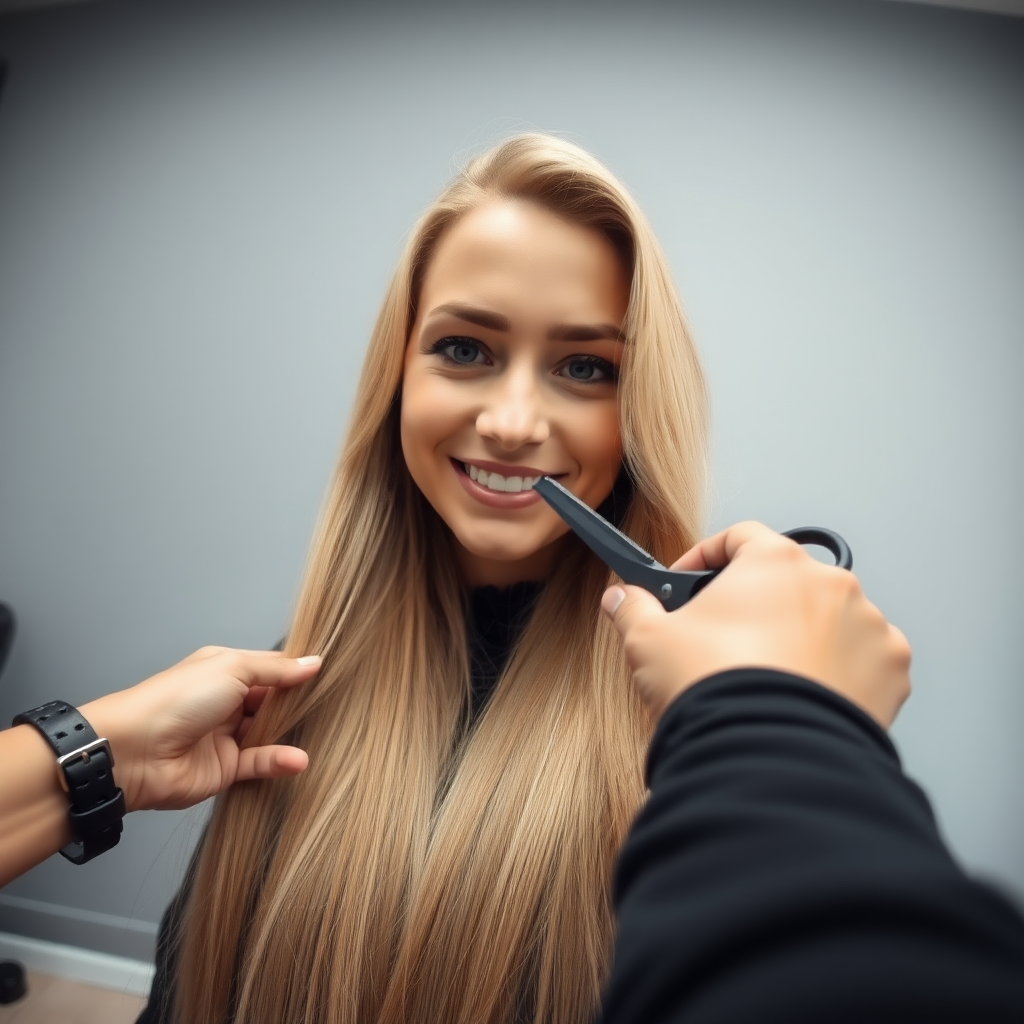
(613, 597)
(310, 659)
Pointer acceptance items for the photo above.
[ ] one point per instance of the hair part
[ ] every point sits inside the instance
(421, 869)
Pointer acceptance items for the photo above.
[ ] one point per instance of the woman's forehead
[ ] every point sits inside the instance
(519, 259)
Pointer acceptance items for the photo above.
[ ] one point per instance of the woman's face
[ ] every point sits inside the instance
(510, 374)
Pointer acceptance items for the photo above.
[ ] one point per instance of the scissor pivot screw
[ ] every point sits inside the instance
(666, 590)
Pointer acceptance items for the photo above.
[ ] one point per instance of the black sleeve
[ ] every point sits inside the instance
(785, 869)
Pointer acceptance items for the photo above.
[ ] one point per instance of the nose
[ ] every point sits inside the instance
(513, 414)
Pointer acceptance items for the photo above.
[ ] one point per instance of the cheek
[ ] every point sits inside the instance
(598, 441)
(414, 444)
(426, 419)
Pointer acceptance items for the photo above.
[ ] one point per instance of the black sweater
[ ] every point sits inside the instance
(785, 869)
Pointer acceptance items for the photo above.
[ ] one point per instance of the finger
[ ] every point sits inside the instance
(271, 762)
(212, 651)
(722, 548)
(695, 559)
(268, 668)
(692, 561)
(625, 606)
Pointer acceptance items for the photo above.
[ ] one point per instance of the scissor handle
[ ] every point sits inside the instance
(674, 587)
(818, 536)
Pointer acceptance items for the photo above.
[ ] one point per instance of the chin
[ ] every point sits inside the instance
(501, 552)
(501, 560)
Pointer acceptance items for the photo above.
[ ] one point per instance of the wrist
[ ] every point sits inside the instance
(107, 717)
(84, 769)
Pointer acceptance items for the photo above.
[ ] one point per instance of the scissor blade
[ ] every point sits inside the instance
(615, 549)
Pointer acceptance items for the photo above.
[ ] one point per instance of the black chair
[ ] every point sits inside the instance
(7, 625)
(12, 974)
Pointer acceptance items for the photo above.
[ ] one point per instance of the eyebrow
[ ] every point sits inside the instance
(496, 322)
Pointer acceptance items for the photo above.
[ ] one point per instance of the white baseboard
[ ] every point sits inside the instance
(75, 964)
(73, 926)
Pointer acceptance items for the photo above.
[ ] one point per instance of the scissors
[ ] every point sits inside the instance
(673, 587)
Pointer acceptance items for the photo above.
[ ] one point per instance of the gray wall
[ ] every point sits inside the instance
(200, 205)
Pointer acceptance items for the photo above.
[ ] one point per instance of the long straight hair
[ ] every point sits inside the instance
(425, 868)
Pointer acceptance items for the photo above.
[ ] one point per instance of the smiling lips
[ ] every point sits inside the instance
(490, 487)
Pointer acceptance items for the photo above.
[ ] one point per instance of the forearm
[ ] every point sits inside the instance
(33, 806)
(785, 869)
(176, 739)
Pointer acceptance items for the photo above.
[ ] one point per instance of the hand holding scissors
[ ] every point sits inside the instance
(775, 607)
(673, 587)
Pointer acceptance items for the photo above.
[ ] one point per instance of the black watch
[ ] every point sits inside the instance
(85, 766)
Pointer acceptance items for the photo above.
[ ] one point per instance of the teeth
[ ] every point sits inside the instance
(497, 482)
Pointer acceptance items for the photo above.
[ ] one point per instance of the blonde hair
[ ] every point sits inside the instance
(422, 868)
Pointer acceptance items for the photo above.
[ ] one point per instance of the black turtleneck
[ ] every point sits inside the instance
(495, 620)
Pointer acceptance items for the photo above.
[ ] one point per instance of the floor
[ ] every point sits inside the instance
(56, 1001)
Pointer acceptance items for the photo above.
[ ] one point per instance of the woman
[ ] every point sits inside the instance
(448, 853)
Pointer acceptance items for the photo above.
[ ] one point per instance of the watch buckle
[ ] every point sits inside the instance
(85, 755)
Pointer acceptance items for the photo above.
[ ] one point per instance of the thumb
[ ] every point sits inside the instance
(626, 606)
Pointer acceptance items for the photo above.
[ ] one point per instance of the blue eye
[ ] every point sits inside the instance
(590, 370)
(463, 353)
(459, 351)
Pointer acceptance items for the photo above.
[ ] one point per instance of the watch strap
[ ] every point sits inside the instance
(86, 767)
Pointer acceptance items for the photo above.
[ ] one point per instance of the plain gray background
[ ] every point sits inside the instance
(200, 204)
